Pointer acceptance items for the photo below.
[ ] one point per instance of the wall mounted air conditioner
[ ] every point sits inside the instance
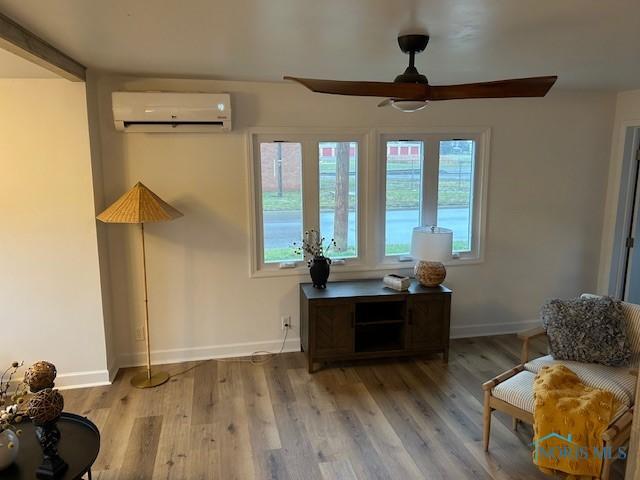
(171, 112)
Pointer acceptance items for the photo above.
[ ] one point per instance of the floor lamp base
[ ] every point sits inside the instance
(143, 381)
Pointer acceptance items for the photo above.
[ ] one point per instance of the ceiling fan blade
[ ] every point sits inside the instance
(365, 89)
(518, 87)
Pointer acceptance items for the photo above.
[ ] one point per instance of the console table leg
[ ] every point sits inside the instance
(445, 356)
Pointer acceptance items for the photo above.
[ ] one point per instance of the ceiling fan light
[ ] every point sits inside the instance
(409, 105)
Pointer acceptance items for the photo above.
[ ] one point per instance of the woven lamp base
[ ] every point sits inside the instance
(142, 380)
(430, 274)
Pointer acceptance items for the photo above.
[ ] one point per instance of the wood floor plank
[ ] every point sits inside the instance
(142, 447)
(205, 393)
(297, 450)
(458, 397)
(172, 460)
(234, 443)
(276, 469)
(259, 409)
(313, 390)
(280, 388)
(114, 435)
(204, 453)
(431, 457)
(381, 434)
(377, 419)
(365, 459)
(340, 469)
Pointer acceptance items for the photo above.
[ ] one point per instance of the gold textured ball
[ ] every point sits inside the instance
(40, 375)
(45, 406)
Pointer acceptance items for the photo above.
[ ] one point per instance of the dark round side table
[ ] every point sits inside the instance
(79, 446)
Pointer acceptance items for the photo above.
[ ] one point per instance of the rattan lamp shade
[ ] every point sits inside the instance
(139, 205)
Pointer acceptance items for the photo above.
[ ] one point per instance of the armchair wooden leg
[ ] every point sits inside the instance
(514, 424)
(606, 469)
(486, 420)
(524, 354)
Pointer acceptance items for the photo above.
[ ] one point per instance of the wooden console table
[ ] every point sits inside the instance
(363, 319)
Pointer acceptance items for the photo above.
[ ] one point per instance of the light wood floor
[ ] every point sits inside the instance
(398, 419)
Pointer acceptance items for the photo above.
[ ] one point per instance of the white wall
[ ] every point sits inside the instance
(50, 300)
(547, 185)
(627, 114)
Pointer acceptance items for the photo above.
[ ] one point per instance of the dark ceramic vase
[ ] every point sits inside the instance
(319, 270)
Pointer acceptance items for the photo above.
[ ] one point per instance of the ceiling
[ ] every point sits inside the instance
(13, 66)
(590, 44)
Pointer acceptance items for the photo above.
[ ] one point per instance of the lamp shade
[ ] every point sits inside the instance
(432, 244)
(139, 205)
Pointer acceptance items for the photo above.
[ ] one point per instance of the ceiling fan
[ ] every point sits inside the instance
(410, 91)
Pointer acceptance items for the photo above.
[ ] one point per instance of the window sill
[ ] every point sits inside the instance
(303, 271)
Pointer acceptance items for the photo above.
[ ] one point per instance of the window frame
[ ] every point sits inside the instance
(309, 139)
(431, 139)
(371, 193)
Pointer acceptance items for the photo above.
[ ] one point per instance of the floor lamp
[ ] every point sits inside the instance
(141, 205)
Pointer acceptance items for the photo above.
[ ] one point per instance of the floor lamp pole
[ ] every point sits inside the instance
(146, 380)
(146, 302)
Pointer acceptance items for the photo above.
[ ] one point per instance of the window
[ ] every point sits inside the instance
(281, 187)
(338, 184)
(403, 194)
(303, 180)
(430, 179)
(455, 190)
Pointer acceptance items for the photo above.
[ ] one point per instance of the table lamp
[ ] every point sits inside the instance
(140, 205)
(430, 246)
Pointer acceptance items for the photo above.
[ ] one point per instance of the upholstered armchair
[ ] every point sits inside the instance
(512, 391)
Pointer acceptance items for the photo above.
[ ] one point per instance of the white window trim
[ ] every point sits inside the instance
(371, 197)
(428, 215)
(310, 190)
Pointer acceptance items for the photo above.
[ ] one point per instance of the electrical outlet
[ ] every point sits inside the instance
(139, 332)
(286, 322)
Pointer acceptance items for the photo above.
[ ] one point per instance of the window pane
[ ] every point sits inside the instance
(403, 194)
(281, 177)
(455, 190)
(339, 196)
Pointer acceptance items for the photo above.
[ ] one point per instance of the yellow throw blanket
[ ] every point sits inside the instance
(569, 419)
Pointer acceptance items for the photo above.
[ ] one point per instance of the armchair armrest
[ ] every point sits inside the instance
(531, 333)
(622, 423)
(527, 335)
(502, 377)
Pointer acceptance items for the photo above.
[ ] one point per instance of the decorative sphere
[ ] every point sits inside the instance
(45, 406)
(40, 375)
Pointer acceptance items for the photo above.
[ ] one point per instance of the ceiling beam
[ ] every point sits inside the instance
(19, 40)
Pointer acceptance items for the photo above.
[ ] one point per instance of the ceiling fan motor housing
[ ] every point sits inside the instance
(415, 43)
(412, 44)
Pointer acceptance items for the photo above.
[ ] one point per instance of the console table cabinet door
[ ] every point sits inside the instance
(428, 322)
(334, 329)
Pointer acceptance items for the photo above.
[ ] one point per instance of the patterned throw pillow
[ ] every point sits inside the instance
(588, 330)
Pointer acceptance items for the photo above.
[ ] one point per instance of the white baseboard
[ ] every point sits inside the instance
(177, 355)
(487, 329)
(96, 378)
(112, 369)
